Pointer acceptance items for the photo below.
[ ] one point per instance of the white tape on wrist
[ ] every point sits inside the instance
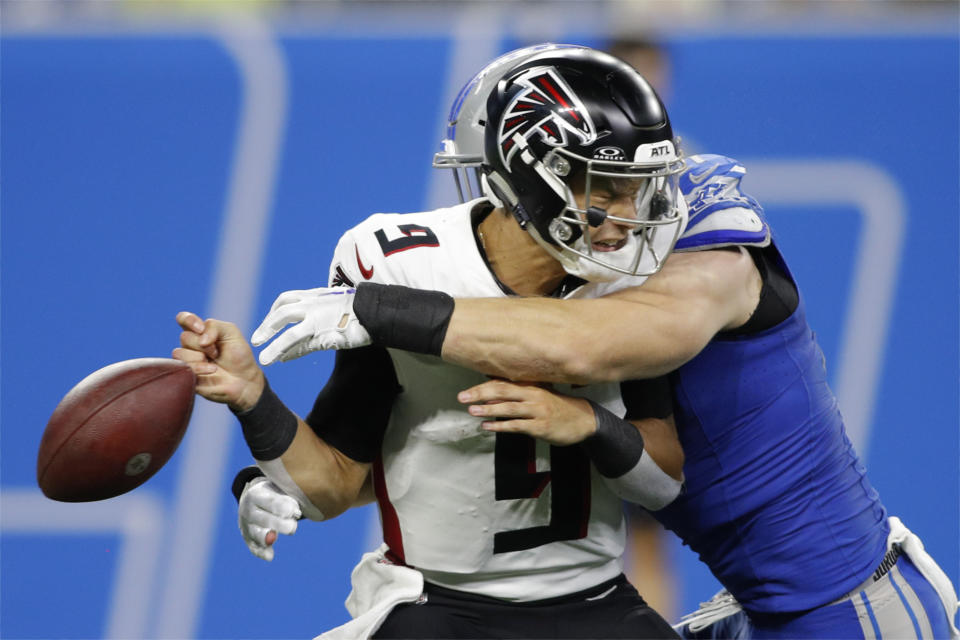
(278, 474)
(646, 484)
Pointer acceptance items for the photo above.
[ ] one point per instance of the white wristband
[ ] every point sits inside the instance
(646, 484)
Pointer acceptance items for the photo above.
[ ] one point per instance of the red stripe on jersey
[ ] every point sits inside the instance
(388, 515)
(543, 485)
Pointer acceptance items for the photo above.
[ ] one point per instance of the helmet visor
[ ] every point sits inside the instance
(642, 201)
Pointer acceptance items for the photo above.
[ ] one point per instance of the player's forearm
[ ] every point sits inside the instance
(627, 465)
(331, 481)
(324, 481)
(660, 441)
(575, 341)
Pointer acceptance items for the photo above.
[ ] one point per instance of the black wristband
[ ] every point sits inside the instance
(617, 445)
(244, 476)
(269, 427)
(403, 318)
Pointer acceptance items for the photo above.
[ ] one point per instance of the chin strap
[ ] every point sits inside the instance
(493, 186)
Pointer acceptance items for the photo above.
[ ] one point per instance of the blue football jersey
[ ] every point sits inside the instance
(776, 501)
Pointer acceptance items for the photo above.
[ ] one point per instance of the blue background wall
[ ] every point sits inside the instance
(119, 151)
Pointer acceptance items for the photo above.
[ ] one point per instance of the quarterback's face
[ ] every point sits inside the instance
(618, 197)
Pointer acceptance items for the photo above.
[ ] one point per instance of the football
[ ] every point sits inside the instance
(115, 429)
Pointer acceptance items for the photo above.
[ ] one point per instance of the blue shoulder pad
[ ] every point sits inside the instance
(720, 214)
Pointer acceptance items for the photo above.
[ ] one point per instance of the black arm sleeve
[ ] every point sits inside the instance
(352, 410)
(650, 398)
(778, 296)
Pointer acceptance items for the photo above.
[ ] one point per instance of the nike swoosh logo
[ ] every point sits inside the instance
(697, 178)
(366, 273)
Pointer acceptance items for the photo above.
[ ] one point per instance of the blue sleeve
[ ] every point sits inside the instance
(720, 213)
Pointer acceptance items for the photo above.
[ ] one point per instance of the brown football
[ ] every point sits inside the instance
(115, 429)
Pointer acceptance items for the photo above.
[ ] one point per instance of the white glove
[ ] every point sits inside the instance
(265, 508)
(325, 320)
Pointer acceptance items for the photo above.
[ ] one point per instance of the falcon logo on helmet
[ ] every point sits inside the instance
(547, 106)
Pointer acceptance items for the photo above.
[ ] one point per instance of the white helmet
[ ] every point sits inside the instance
(462, 148)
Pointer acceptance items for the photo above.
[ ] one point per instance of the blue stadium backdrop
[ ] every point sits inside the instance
(154, 170)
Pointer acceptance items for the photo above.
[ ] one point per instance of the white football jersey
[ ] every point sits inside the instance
(502, 515)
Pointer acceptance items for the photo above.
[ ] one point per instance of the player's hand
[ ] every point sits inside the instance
(264, 512)
(324, 319)
(219, 354)
(511, 407)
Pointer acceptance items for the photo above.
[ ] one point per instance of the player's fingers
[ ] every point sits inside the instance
(281, 505)
(289, 297)
(257, 534)
(286, 526)
(261, 519)
(196, 359)
(188, 355)
(503, 409)
(218, 386)
(493, 390)
(204, 342)
(190, 321)
(302, 348)
(269, 520)
(265, 553)
(508, 426)
(268, 528)
(199, 365)
(276, 320)
(285, 346)
(215, 331)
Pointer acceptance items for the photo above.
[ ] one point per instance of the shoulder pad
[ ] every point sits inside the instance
(719, 213)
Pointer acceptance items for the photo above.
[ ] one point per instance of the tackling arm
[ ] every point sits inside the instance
(640, 332)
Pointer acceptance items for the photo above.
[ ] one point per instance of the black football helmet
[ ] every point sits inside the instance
(578, 117)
